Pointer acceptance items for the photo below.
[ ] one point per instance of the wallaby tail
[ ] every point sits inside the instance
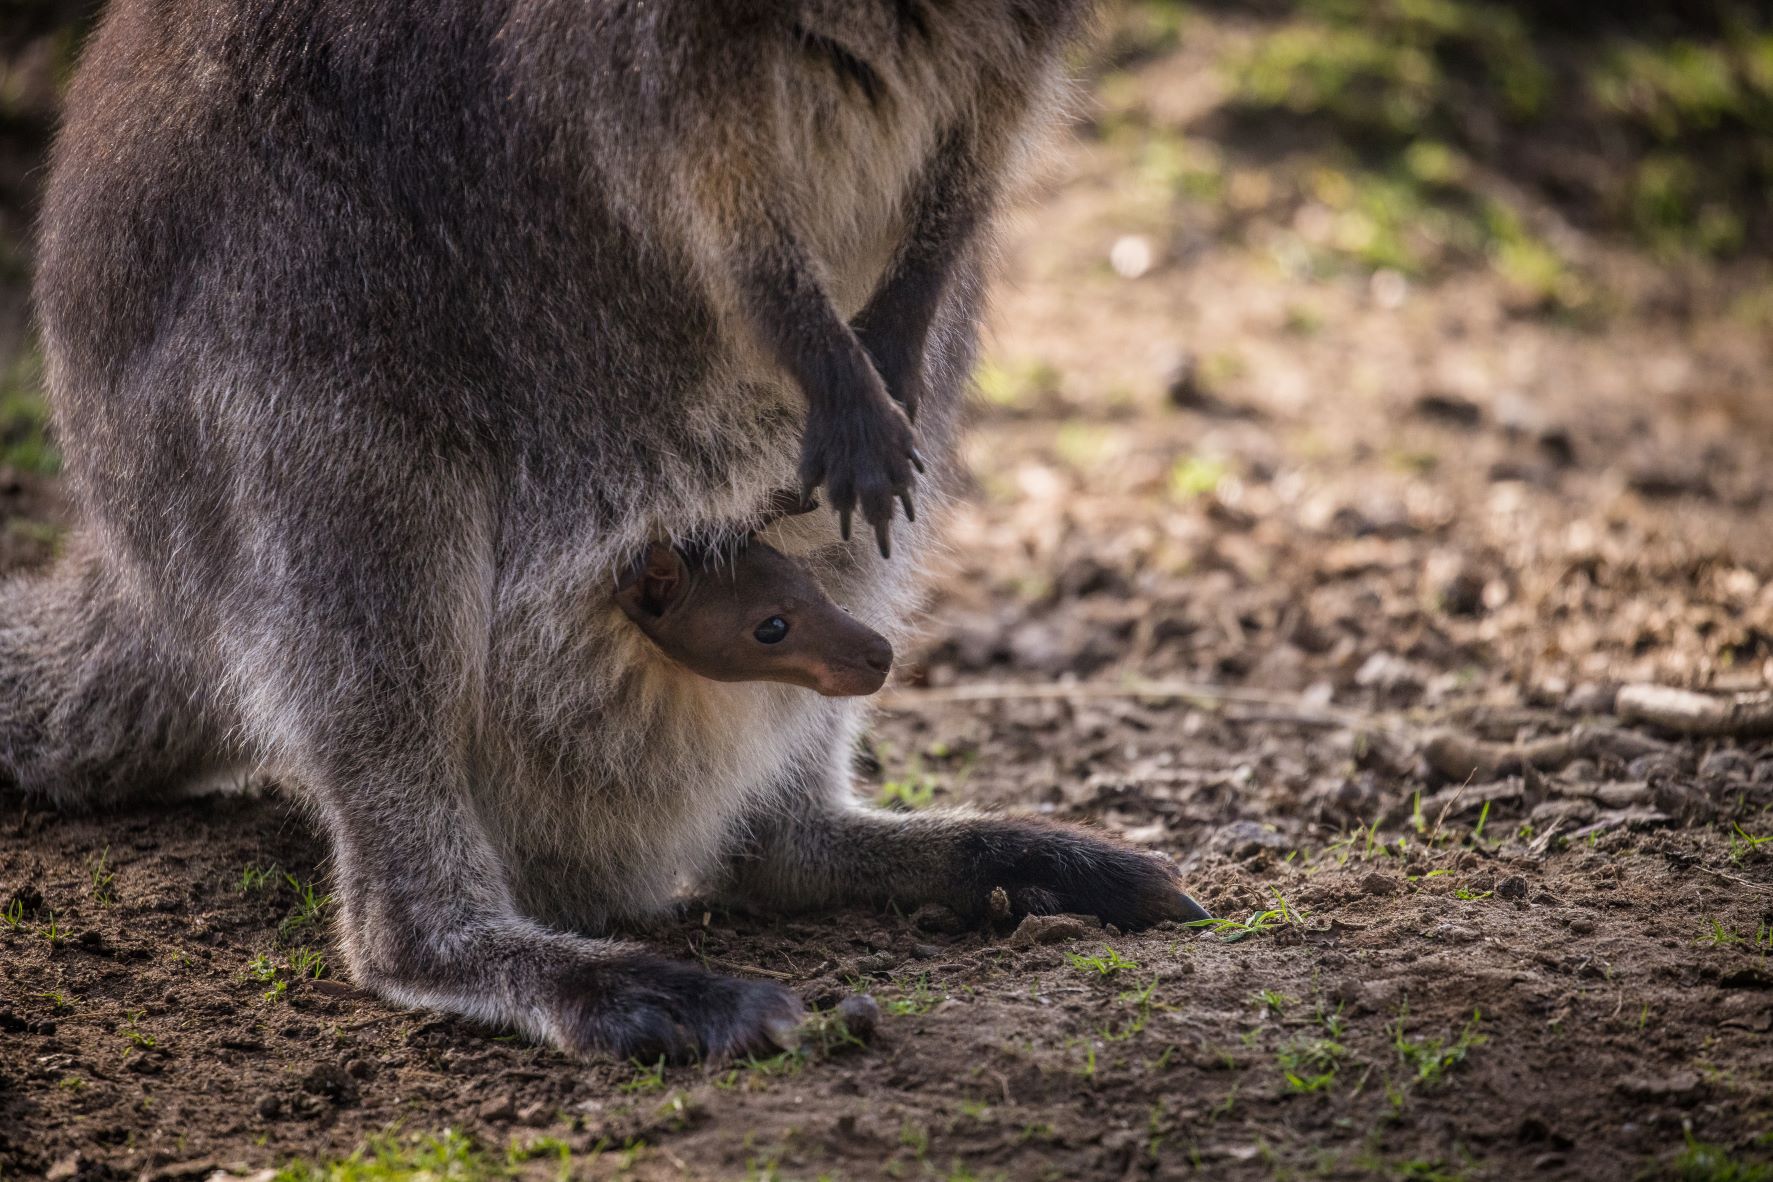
(92, 707)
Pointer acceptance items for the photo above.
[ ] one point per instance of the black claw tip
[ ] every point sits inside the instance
(883, 538)
(843, 523)
(910, 513)
(916, 460)
(1193, 912)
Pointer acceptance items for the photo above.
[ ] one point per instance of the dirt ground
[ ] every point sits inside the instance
(1272, 564)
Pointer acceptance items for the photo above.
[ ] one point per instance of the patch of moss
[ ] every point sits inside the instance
(451, 1156)
(1393, 68)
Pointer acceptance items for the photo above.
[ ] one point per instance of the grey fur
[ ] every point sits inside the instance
(382, 333)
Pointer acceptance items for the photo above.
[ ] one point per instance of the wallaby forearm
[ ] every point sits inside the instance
(856, 443)
(951, 199)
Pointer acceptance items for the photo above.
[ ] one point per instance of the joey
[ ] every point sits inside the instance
(752, 614)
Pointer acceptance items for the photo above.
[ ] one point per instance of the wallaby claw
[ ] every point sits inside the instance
(1192, 912)
(863, 467)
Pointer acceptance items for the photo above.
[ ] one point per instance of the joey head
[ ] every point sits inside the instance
(752, 614)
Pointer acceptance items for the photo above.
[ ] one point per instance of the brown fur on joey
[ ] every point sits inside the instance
(753, 615)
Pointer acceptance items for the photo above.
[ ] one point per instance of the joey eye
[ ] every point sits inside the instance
(771, 631)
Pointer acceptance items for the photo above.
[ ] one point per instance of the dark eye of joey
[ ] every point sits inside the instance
(771, 631)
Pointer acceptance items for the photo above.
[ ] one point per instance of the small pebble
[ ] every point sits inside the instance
(935, 917)
(860, 1015)
(1679, 1086)
(1726, 762)
(1453, 409)
(499, 1108)
(1389, 288)
(1048, 929)
(1463, 593)
(1591, 697)
(877, 962)
(1131, 256)
(1379, 883)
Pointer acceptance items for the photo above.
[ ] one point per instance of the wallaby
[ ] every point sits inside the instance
(381, 336)
(750, 613)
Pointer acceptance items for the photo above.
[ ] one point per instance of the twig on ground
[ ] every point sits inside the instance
(1460, 757)
(1290, 718)
(758, 970)
(1281, 707)
(1689, 713)
(1739, 881)
(1543, 842)
(1447, 808)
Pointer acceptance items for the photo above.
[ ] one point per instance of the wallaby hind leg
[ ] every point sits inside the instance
(372, 691)
(816, 846)
(428, 919)
(95, 705)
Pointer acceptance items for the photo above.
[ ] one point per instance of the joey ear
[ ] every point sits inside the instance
(665, 578)
(656, 582)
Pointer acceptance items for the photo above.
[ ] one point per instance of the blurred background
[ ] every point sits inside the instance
(1363, 355)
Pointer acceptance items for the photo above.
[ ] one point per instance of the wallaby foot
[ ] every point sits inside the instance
(646, 1007)
(427, 918)
(588, 997)
(829, 852)
(1047, 867)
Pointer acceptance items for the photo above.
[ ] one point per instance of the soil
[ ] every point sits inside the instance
(1242, 543)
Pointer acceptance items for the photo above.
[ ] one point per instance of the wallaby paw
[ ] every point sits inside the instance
(901, 370)
(907, 390)
(897, 352)
(1031, 867)
(865, 459)
(645, 1008)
